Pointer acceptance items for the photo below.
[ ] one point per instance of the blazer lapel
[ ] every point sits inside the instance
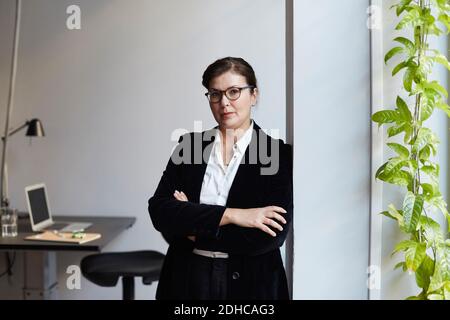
(244, 181)
(248, 169)
(200, 169)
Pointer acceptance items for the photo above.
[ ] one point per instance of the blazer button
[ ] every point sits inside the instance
(236, 275)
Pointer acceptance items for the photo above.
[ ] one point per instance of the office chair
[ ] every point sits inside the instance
(104, 269)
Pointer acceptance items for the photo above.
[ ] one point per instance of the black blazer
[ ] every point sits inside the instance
(254, 254)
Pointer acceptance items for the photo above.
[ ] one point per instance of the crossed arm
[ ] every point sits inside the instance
(259, 218)
(248, 231)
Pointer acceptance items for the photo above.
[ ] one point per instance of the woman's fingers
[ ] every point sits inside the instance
(279, 217)
(179, 195)
(272, 214)
(277, 209)
(266, 229)
(273, 224)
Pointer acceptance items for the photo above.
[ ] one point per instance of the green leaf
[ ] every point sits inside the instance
(430, 170)
(408, 78)
(432, 230)
(380, 170)
(397, 215)
(399, 149)
(401, 264)
(415, 255)
(399, 177)
(444, 107)
(404, 245)
(414, 298)
(403, 109)
(409, 45)
(428, 190)
(408, 134)
(424, 136)
(441, 269)
(440, 203)
(424, 154)
(433, 29)
(391, 53)
(447, 290)
(441, 59)
(402, 6)
(435, 296)
(437, 87)
(394, 212)
(424, 273)
(443, 5)
(411, 18)
(445, 20)
(395, 130)
(413, 165)
(399, 67)
(393, 165)
(385, 116)
(387, 214)
(426, 110)
(412, 210)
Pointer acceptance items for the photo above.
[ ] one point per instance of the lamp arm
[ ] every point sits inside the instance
(13, 131)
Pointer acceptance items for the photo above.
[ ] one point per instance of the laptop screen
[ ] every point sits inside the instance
(38, 205)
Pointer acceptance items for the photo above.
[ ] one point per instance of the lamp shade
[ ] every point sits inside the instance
(35, 128)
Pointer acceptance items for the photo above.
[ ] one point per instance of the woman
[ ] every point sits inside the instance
(222, 206)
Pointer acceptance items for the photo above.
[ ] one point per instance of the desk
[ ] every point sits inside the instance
(40, 280)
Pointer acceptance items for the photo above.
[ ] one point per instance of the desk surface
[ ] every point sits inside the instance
(108, 227)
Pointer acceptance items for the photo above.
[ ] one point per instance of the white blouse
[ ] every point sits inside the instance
(218, 178)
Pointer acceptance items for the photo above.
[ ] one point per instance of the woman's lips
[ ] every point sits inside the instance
(228, 115)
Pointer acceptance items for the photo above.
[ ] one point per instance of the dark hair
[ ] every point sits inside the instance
(236, 65)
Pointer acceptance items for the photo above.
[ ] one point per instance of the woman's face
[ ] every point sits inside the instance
(232, 114)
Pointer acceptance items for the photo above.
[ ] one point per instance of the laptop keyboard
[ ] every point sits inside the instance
(76, 227)
(57, 226)
(69, 227)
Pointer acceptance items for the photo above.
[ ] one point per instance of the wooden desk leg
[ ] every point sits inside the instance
(40, 279)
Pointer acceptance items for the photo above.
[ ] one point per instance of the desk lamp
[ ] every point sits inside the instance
(34, 126)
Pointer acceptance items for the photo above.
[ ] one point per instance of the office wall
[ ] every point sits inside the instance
(331, 148)
(111, 94)
(397, 284)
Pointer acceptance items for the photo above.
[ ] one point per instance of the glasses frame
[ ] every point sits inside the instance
(224, 92)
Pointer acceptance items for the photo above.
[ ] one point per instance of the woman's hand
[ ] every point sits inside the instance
(179, 195)
(182, 197)
(260, 218)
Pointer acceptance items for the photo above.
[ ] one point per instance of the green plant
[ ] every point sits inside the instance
(427, 252)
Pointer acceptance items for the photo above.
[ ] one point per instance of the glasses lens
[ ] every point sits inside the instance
(215, 96)
(233, 93)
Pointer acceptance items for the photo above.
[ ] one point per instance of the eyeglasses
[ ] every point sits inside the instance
(232, 94)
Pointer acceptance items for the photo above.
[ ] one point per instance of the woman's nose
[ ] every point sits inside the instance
(224, 101)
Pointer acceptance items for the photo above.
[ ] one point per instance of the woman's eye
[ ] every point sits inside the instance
(233, 92)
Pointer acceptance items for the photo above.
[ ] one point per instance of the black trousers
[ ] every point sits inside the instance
(208, 278)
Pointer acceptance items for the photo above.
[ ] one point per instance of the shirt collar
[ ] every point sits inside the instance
(243, 142)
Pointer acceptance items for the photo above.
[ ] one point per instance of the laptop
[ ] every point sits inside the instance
(40, 214)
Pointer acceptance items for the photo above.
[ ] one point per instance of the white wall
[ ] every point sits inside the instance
(331, 149)
(397, 284)
(111, 94)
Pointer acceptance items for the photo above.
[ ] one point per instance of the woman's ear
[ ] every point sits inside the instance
(254, 97)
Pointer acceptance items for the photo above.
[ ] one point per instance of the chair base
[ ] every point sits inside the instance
(128, 288)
